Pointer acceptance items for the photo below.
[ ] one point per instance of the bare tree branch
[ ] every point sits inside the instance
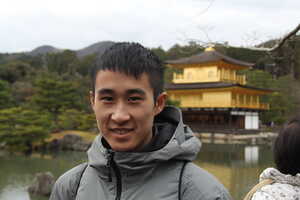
(279, 44)
(206, 9)
(285, 38)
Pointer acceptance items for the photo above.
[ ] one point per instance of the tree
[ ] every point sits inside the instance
(86, 64)
(36, 62)
(20, 128)
(284, 99)
(289, 91)
(22, 91)
(178, 51)
(6, 99)
(282, 53)
(15, 71)
(160, 52)
(75, 119)
(61, 63)
(259, 78)
(53, 94)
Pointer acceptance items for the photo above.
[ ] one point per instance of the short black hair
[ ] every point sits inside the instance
(131, 59)
(286, 149)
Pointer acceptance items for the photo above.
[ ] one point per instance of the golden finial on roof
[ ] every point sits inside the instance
(209, 49)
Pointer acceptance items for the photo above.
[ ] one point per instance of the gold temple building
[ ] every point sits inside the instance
(213, 95)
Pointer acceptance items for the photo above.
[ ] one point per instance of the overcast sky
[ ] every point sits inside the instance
(25, 25)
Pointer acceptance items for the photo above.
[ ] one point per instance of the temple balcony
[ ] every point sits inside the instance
(251, 105)
(233, 104)
(180, 78)
(240, 79)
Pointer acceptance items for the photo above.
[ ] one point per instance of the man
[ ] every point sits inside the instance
(144, 149)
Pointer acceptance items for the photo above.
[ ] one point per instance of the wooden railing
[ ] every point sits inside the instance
(263, 106)
(240, 79)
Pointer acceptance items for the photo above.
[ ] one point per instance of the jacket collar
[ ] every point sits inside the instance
(181, 145)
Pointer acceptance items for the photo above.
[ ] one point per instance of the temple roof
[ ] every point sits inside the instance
(187, 86)
(208, 56)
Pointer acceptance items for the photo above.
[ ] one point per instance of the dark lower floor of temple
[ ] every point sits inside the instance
(221, 121)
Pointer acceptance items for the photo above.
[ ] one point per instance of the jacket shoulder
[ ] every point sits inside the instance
(199, 184)
(66, 185)
(261, 195)
(275, 190)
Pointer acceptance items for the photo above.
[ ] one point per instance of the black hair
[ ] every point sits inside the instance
(131, 59)
(286, 149)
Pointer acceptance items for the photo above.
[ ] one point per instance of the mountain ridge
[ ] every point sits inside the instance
(98, 47)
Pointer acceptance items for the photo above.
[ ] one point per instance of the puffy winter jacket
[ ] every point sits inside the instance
(152, 174)
(285, 187)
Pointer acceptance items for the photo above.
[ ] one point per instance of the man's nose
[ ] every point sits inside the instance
(120, 114)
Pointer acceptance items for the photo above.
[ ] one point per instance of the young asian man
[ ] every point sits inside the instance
(144, 151)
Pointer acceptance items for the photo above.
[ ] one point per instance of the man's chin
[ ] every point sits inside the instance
(123, 149)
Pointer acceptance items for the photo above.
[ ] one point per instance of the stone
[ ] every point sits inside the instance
(42, 184)
(2, 145)
(70, 140)
(54, 145)
(81, 146)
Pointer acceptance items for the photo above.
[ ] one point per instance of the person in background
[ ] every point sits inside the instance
(144, 150)
(282, 182)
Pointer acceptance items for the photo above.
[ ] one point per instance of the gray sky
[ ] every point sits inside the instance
(25, 25)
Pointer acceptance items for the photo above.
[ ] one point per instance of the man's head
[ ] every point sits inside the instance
(126, 95)
(133, 60)
(286, 148)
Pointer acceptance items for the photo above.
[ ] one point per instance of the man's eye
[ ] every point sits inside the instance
(106, 99)
(134, 99)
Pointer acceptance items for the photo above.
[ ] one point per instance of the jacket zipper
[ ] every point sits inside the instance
(111, 164)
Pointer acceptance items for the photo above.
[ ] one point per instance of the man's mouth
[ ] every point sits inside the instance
(121, 131)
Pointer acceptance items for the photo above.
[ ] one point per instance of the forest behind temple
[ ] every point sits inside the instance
(47, 90)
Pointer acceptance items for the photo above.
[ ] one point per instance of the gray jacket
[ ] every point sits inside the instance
(153, 174)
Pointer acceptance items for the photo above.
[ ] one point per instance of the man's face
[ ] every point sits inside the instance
(125, 109)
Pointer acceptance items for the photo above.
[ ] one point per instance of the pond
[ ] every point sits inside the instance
(236, 166)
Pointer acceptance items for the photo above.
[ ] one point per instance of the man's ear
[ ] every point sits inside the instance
(160, 102)
(92, 99)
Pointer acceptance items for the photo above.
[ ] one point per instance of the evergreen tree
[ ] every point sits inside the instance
(15, 71)
(284, 99)
(86, 64)
(6, 99)
(20, 128)
(77, 120)
(62, 63)
(53, 94)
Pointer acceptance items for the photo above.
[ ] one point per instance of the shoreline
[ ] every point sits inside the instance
(262, 138)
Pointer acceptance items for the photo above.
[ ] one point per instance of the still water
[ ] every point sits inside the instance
(236, 166)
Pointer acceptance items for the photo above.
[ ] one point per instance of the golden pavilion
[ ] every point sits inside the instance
(212, 94)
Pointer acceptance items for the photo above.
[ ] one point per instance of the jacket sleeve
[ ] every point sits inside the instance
(66, 185)
(61, 190)
(198, 184)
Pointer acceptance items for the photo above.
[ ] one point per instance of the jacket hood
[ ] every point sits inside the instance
(180, 145)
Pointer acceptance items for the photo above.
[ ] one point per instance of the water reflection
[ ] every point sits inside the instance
(15, 192)
(236, 166)
(251, 154)
(17, 171)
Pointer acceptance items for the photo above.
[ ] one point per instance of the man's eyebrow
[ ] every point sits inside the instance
(136, 91)
(105, 91)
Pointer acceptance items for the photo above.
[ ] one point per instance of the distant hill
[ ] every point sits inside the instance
(42, 50)
(97, 48)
